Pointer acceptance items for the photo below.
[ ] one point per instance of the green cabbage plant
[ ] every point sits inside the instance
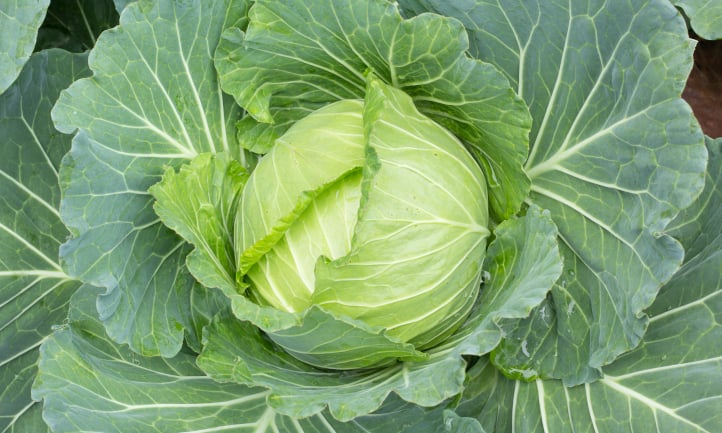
(355, 216)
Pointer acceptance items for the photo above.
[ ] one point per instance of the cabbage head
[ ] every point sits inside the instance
(371, 212)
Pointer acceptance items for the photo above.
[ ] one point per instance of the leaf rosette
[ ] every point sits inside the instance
(395, 247)
(414, 162)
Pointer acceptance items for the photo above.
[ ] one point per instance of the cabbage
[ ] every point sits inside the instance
(370, 211)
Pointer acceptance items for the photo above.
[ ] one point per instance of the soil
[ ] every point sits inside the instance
(704, 87)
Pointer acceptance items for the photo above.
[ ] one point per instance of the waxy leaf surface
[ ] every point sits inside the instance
(614, 155)
(672, 382)
(34, 290)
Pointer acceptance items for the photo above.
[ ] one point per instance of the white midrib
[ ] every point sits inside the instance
(324, 422)
(578, 209)
(196, 96)
(225, 403)
(30, 305)
(224, 131)
(261, 426)
(31, 247)
(266, 419)
(663, 368)
(30, 129)
(672, 311)
(31, 348)
(542, 405)
(31, 194)
(534, 148)
(186, 152)
(514, 401)
(567, 150)
(16, 416)
(652, 404)
(590, 408)
(35, 273)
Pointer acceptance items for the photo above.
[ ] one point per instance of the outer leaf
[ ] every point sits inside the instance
(522, 263)
(300, 55)
(75, 24)
(89, 383)
(616, 153)
(397, 415)
(238, 351)
(34, 291)
(19, 21)
(199, 203)
(705, 16)
(202, 305)
(82, 369)
(153, 101)
(330, 341)
(672, 382)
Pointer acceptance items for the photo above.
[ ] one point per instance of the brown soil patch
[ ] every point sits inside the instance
(704, 87)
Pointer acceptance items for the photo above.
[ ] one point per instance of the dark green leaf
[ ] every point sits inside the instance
(672, 382)
(615, 154)
(34, 291)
